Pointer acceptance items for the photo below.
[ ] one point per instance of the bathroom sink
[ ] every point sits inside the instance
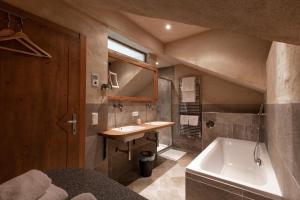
(127, 129)
(157, 123)
(132, 132)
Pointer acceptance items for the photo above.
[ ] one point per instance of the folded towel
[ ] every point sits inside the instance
(188, 84)
(31, 185)
(54, 193)
(84, 196)
(184, 119)
(193, 120)
(188, 96)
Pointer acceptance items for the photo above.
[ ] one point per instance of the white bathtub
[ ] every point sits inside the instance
(231, 161)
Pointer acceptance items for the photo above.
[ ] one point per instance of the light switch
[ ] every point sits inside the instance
(95, 80)
(94, 118)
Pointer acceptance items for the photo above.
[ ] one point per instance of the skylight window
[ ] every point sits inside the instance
(126, 50)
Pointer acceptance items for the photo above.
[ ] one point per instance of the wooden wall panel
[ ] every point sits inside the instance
(37, 97)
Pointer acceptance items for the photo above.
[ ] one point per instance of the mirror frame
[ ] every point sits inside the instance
(141, 64)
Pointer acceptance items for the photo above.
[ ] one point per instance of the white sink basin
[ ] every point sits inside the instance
(157, 123)
(127, 129)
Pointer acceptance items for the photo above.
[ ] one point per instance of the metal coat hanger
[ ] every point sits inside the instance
(7, 31)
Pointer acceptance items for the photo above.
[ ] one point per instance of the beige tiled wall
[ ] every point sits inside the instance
(232, 125)
(124, 117)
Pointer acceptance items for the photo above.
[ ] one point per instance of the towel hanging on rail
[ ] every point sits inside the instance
(188, 96)
(188, 89)
(188, 84)
(184, 119)
(193, 120)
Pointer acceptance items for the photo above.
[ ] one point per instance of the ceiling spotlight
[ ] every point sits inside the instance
(168, 26)
(156, 63)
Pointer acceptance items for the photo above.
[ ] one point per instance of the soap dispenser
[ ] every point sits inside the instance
(138, 121)
(136, 117)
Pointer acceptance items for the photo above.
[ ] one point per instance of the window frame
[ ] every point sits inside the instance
(129, 47)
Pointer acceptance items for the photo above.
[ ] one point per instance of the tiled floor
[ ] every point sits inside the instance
(167, 181)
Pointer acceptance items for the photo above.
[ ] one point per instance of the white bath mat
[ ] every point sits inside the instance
(172, 154)
(161, 147)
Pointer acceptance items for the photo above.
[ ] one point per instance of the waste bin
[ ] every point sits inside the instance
(146, 163)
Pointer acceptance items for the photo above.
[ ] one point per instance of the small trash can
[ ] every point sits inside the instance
(146, 163)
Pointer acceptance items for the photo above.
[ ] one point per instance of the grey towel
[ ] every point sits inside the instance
(84, 196)
(54, 193)
(29, 186)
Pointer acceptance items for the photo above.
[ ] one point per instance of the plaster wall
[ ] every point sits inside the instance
(231, 56)
(283, 69)
(219, 95)
(282, 116)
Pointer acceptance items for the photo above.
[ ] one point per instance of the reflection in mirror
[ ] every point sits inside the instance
(133, 80)
(113, 79)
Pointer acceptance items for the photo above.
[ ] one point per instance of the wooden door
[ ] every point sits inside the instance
(37, 98)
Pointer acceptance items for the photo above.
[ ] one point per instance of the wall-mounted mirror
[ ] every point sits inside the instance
(131, 80)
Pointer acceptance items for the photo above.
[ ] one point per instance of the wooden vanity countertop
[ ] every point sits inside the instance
(116, 134)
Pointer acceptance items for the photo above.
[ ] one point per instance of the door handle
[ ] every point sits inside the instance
(73, 122)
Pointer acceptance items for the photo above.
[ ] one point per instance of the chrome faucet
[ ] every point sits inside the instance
(148, 107)
(256, 156)
(120, 106)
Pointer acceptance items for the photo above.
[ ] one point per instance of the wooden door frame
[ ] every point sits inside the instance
(82, 100)
(82, 83)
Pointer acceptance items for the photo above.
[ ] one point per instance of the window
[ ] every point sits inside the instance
(126, 50)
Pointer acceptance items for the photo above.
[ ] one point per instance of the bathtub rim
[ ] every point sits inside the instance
(192, 168)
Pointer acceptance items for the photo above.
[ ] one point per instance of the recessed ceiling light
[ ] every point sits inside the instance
(157, 63)
(168, 26)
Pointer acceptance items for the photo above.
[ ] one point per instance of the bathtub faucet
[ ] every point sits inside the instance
(256, 156)
(257, 160)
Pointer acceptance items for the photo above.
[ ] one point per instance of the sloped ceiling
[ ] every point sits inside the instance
(157, 28)
(268, 19)
(186, 51)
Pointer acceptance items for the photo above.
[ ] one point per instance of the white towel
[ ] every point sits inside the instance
(193, 120)
(184, 119)
(85, 196)
(54, 193)
(31, 185)
(188, 96)
(188, 84)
